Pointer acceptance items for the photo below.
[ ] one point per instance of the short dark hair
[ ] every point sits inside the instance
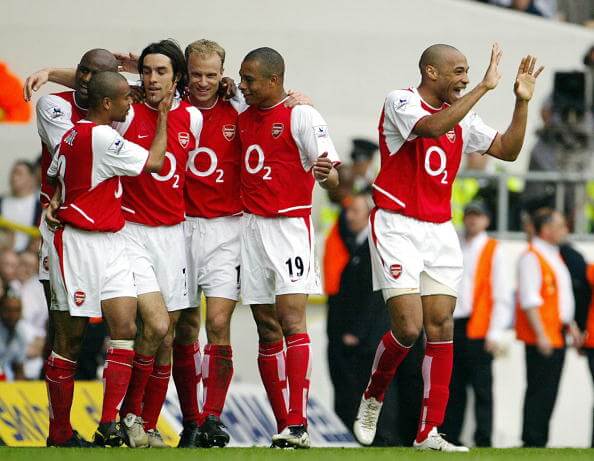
(26, 163)
(541, 217)
(271, 60)
(172, 50)
(103, 85)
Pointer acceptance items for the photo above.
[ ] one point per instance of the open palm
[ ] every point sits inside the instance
(526, 78)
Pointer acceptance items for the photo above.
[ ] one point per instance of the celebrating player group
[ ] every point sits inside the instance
(201, 187)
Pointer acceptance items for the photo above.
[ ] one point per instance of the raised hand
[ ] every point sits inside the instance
(167, 101)
(492, 75)
(127, 62)
(34, 82)
(526, 78)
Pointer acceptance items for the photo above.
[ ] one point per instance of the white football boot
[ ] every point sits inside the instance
(436, 442)
(366, 421)
(134, 427)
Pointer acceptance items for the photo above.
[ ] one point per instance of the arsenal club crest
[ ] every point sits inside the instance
(396, 270)
(229, 132)
(277, 129)
(183, 138)
(79, 297)
(451, 135)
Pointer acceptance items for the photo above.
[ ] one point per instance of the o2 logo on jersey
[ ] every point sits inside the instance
(229, 132)
(260, 165)
(184, 138)
(439, 154)
(211, 169)
(277, 129)
(171, 172)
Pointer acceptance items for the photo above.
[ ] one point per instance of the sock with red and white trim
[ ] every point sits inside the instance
(59, 379)
(298, 372)
(186, 371)
(437, 372)
(271, 363)
(388, 357)
(217, 371)
(154, 396)
(116, 377)
(141, 370)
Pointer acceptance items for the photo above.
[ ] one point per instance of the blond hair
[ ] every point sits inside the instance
(205, 48)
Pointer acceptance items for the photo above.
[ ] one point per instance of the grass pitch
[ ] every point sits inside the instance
(314, 454)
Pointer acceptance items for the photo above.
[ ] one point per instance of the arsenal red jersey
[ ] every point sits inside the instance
(280, 146)
(157, 199)
(213, 175)
(416, 173)
(88, 164)
(56, 114)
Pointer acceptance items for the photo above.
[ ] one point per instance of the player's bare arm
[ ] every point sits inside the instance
(325, 173)
(159, 144)
(50, 215)
(443, 121)
(65, 77)
(507, 146)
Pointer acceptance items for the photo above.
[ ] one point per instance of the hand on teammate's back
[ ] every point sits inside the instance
(526, 78)
(295, 98)
(50, 215)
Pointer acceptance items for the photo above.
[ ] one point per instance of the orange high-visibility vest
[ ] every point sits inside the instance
(548, 311)
(589, 342)
(336, 257)
(482, 299)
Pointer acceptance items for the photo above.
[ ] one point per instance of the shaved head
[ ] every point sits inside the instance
(436, 55)
(100, 59)
(271, 62)
(105, 84)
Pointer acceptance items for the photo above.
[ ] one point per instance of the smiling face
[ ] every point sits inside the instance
(452, 76)
(205, 74)
(157, 78)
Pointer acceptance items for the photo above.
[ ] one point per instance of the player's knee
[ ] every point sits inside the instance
(186, 333)
(123, 330)
(269, 330)
(155, 330)
(167, 342)
(408, 334)
(218, 328)
(440, 327)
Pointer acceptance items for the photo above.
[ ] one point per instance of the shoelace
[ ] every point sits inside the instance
(370, 416)
(441, 442)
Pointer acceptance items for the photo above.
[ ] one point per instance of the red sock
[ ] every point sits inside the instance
(388, 357)
(271, 363)
(217, 371)
(154, 396)
(116, 377)
(186, 376)
(141, 370)
(437, 372)
(59, 378)
(298, 371)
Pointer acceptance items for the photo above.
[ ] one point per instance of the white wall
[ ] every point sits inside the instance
(345, 54)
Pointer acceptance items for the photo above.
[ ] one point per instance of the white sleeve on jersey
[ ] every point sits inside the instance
(402, 111)
(53, 120)
(238, 102)
(122, 127)
(477, 136)
(310, 132)
(114, 156)
(52, 170)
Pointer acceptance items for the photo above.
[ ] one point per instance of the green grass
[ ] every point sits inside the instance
(314, 454)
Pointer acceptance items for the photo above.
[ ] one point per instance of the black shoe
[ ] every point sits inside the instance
(190, 436)
(76, 441)
(212, 433)
(109, 435)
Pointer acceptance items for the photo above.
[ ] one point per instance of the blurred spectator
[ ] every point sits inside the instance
(546, 8)
(12, 337)
(35, 313)
(545, 310)
(9, 263)
(357, 319)
(22, 205)
(483, 311)
(586, 324)
(577, 11)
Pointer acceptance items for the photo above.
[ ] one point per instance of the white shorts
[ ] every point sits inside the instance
(47, 237)
(403, 247)
(87, 268)
(158, 261)
(277, 258)
(213, 255)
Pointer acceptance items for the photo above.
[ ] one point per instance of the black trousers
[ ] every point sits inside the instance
(590, 355)
(542, 377)
(472, 369)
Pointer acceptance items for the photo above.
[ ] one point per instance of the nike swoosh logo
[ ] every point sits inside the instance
(143, 136)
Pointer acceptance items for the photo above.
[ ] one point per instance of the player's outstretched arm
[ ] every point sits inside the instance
(507, 146)
(156, 156)
(443, 121)
(66, 77)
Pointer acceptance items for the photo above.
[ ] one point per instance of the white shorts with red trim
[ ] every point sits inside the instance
(158, 261)
(87, 268)
(213, 254)
(403, 247)
(277, 258)
(47, 237)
